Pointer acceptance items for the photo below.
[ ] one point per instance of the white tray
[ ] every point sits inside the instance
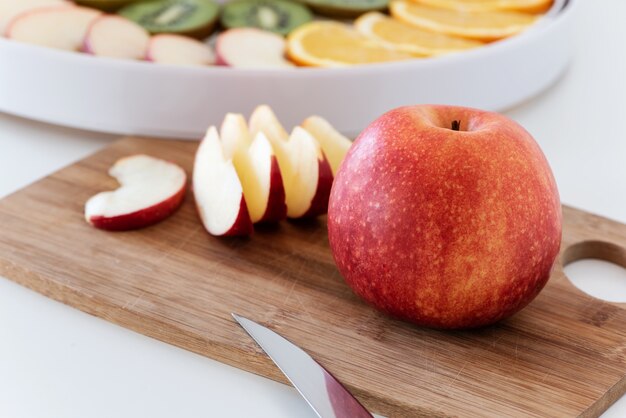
(140, 98)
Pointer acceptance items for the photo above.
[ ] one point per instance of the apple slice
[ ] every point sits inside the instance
(251, 48)
(54, 27)
(10, 9)
(258, 170)
(116, 37)
(150, 190)
(179, 50)
(334, 144)
(307, 176)
(218, 191)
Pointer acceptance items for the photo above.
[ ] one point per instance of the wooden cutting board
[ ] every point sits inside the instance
(564, 355)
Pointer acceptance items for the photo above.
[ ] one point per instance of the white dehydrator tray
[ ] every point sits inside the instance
(141, 98)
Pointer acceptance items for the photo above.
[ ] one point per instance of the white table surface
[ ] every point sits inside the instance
(59, 362)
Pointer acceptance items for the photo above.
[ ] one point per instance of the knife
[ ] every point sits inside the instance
(325, 394)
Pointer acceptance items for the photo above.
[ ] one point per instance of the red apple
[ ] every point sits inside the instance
(445, 216)
(150, 190)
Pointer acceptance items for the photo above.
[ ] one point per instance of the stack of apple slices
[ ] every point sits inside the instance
(256, 172)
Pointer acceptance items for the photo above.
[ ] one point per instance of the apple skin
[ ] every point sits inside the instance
(240, 228)
(276, 207)
(141, 218)
(243, 225)
(446, 229)
(319, 203)
(219, 59)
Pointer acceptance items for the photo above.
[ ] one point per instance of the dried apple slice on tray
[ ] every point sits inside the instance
(59, 27)
(10, 9)
(116, 37)
(251, 48)
(179, 50)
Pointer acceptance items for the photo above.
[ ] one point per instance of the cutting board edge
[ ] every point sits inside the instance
(163, 332)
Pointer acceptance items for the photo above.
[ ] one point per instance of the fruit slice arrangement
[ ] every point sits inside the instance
(113, 36)
(267, 33)
(134, 33)
(270, 174)
(245, 172)
(179, 50)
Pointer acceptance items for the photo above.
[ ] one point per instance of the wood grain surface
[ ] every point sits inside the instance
(564, 355)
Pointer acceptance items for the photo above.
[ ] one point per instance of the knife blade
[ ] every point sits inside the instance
(322, 391)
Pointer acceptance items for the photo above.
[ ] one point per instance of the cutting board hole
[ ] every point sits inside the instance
(598, 269)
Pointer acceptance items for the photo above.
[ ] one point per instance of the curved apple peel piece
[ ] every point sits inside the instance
(307, 175)
(218, 192)
(150, 190)
(334, 144)
(257, 168)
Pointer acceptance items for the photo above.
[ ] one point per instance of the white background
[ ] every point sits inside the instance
(58, 362)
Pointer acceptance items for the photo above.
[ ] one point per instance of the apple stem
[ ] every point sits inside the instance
(456, 125)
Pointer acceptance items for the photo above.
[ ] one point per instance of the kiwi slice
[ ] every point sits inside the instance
(106, 5)
(278, 16)
(346, 8)
(185, 17)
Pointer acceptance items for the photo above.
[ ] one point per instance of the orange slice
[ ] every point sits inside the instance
(528, 6)
(401, 36)
(333, 44)
(486, 26)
